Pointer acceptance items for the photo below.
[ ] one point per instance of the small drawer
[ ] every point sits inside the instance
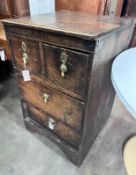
(57, 127)
(26, 54)
(62, 107)
(66, 68)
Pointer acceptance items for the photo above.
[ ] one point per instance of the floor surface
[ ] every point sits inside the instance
(24, 153)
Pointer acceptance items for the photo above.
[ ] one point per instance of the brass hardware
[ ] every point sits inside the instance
(24, 47)
(63, 69)
(63, 66)
(24, 54)
(25, 58)
(51, 123)
(45, 97)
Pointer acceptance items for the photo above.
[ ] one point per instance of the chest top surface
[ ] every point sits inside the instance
(73, 23)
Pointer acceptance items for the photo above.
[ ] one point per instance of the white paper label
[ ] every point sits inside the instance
(2, 55)
(51, 123)
(51, 126)
(26, 75)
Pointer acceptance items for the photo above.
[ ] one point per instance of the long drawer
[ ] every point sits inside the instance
(60, 106)
(55, 126)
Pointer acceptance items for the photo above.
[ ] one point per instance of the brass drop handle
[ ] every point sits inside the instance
(45, 97)
(63, 66)
(24, 54)
(25, 58)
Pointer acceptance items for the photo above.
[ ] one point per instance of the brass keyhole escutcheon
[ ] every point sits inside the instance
(45, 97)
(63, 66)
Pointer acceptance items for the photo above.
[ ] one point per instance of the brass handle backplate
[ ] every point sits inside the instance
(63, 66)
(45, 97)
(24, 53)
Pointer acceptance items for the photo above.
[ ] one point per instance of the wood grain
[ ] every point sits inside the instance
(85, 6)
(61, 130)
(66, 109)
(34, 61)
(20, 8)
(91, 43)
(72, 24)
(75, 78)
(5, 10)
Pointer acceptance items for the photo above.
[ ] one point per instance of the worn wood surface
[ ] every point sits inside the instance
(34, 126)
(81, 102)
(60, 129)
(75, 77)
(66, 41)
(60, 106)
(73, 23)
(101, 93)
(33, 62)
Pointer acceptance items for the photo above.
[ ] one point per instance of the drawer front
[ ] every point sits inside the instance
(57, 127)
(58, 105)
(66, 68)
(26, 54)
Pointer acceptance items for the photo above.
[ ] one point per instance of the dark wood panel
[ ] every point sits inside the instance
(101, 93)
(19, 8)
(52, 38)
(5, 9)
(102, 38)
(33, 126)
(14, 8)
(81, 25)
(34, 63)
(75, 77)
(61, 130)
(65, 108)
(42, 81)
(131, 8)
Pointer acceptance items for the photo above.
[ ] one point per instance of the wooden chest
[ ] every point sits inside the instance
(68, 56)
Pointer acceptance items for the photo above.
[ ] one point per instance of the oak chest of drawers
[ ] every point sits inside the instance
(62, 63)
